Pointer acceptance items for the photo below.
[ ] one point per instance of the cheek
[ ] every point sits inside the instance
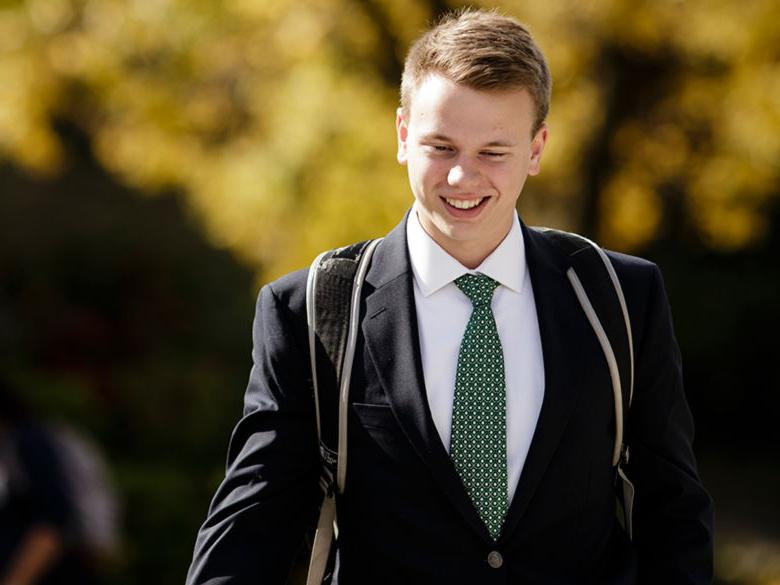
(428, 171)
(512, 178)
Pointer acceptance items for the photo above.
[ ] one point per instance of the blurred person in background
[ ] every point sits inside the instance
(57, 511)
(471, 129)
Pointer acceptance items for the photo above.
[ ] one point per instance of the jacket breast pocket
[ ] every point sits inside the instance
(375, 431)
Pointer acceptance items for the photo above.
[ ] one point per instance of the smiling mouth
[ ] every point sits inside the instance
(465, 203)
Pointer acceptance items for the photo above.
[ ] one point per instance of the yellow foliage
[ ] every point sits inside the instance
(26, 101)
(632, 211)
(750, 560)
(275, 120)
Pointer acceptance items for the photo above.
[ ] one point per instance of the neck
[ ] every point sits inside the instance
(471, 255)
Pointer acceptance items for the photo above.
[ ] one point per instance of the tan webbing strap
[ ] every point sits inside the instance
(322, 540)
(628, 502)
(326, 524)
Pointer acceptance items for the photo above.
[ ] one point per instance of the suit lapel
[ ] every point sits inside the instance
(391, 335)
(560, 320)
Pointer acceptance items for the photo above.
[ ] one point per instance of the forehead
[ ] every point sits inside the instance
(443, 106)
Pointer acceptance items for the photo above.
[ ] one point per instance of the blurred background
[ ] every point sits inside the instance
(161, 159)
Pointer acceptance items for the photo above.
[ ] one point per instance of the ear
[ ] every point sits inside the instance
(402, 132)
(537, 147)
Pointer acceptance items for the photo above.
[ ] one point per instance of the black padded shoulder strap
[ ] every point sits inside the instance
(332, 311)
(598, 290)
(601, 296)
(335, 279)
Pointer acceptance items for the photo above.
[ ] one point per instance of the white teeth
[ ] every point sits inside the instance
(464, 204)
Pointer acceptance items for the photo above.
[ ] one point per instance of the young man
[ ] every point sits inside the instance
(481, 407)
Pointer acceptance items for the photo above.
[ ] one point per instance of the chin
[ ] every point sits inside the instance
(459, 235)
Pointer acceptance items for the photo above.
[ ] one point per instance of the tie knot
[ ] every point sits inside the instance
(477, 287)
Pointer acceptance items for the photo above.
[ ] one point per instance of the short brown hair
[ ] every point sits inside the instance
(483, 50)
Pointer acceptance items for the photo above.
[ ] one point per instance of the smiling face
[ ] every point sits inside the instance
(468, 153)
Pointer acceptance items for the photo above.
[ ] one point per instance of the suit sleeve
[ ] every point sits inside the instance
(673, 513)
(270, 494)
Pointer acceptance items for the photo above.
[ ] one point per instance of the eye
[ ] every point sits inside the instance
(494, 155)
(438, 148)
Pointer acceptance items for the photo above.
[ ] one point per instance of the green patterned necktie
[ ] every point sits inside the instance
(478, 443)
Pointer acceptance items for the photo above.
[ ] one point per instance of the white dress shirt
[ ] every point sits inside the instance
(442, 314)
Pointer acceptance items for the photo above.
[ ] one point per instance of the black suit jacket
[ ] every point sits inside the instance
(405, 516)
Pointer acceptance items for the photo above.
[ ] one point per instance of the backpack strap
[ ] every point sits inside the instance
(333, 305)
(332, 312)
(598, 290)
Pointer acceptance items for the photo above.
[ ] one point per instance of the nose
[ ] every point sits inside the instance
(463, 175)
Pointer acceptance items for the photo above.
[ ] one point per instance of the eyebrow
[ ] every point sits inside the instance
(443, 138)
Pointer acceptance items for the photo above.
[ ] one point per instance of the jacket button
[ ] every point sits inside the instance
(494, 559)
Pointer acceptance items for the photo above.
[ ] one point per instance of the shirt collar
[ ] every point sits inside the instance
(434, 268)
